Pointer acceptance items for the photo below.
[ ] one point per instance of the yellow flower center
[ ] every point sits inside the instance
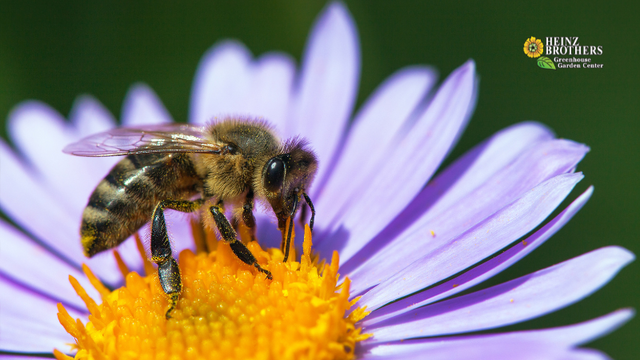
(227, 310)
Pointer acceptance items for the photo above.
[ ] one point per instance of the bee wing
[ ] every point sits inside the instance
(165, 138)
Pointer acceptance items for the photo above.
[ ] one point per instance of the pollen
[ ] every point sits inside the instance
(227, 310)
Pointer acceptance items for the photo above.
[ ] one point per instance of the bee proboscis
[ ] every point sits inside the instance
(168, 166)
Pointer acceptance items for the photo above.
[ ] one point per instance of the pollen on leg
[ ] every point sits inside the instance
(226, 310)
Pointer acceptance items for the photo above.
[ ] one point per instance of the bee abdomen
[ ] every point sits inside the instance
(124, 200)
(110, 217)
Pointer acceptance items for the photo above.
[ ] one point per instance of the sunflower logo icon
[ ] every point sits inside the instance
(533, 47)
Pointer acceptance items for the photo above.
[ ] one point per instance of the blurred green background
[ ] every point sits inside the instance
(54, 51)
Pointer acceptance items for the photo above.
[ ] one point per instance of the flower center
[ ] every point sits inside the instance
(227, 310)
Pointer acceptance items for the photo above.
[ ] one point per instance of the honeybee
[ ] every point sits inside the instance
(168, 166)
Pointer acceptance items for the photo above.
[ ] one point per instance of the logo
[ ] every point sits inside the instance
(533, 47)
(567, 53)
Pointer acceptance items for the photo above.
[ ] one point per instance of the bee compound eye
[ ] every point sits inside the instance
(274, 174)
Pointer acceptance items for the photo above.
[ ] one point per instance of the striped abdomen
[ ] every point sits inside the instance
(124, 200)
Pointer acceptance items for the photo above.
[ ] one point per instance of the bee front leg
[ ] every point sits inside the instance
(229, 235)
(313, 211)
(168, 270)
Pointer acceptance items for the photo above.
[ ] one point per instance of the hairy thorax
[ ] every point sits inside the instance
(225, 178)
(246, 144)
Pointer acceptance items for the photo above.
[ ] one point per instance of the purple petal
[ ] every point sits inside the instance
(573, 335)
(518, 300)
(328, 83)
(221, 82)
(422, 149)
(41, 133)
(269, 96)
(88, 116)
(482, 272)
(565, 336)
(59, 228)
(521, 349)
(20, 357)
(26, 196)
(143, 107)
(537, 164)
(459, 181)
(481, 241)
(479, 165)
(584, 354)
(373, 129)
(229, 83)
(32, 319)
(25, 262)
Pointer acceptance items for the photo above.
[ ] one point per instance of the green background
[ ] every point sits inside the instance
(54, 52)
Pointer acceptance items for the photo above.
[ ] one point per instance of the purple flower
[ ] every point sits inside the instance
(397, 238)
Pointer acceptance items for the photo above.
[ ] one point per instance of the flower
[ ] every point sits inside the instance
(408, 250)
(533, 47)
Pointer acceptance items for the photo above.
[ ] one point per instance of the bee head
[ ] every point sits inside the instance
(287, 176)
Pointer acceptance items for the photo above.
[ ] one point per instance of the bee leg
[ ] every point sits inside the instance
(313, 210)
(229, 235)
(247, 214)
(168, 270)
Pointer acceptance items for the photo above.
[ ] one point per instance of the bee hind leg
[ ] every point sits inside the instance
(229, 235)
(161, 253)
